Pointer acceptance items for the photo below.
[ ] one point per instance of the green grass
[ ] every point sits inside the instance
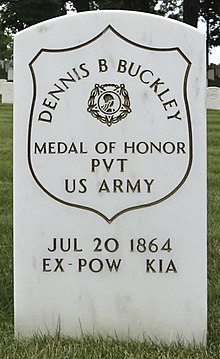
(6, 280)
(214, 227)
(42, 347)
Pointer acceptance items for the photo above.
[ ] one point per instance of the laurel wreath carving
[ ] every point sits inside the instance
(113, 118)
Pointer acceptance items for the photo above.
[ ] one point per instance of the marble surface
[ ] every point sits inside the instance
(211, 74)
(7, 92)
(110, 178)
(213, 98)
(2, 81)
(10, 74)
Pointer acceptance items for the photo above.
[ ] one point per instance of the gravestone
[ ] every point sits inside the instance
(7, 92)
(6, 65)
(2, 81)
(10, 74)
(110, 178)
(211, 74)
(10, 70)
(213, 98)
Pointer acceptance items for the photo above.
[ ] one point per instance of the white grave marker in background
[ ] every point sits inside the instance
(10, 74)
(211, 74)
(110, 177)
(7, 89)
(2, 81)
(213, 98)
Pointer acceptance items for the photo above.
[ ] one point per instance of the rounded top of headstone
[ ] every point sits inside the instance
(115, 15)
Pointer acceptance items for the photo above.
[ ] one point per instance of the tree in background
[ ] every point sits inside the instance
(136, 5)
(210, 11)
(81, 5)
(6, 44)
(191, 12)
(18, 14)
(171, 9)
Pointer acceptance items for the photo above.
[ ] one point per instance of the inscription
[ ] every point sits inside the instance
(124, 67)
(72, 247)
(147, 77)
(148, 130)
(141, 148)
(108, 165)
(126, 186)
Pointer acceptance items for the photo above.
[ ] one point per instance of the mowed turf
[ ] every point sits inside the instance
(46, 347)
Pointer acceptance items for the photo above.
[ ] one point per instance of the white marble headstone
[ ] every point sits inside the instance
(211, 74)
(10, 74)
(7, 92)
(110, 178)
(213, 98)
(2, 81)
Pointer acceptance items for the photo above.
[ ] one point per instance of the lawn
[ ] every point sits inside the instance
(94, 348)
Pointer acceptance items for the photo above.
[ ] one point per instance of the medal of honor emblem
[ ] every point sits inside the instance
(109, 103)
